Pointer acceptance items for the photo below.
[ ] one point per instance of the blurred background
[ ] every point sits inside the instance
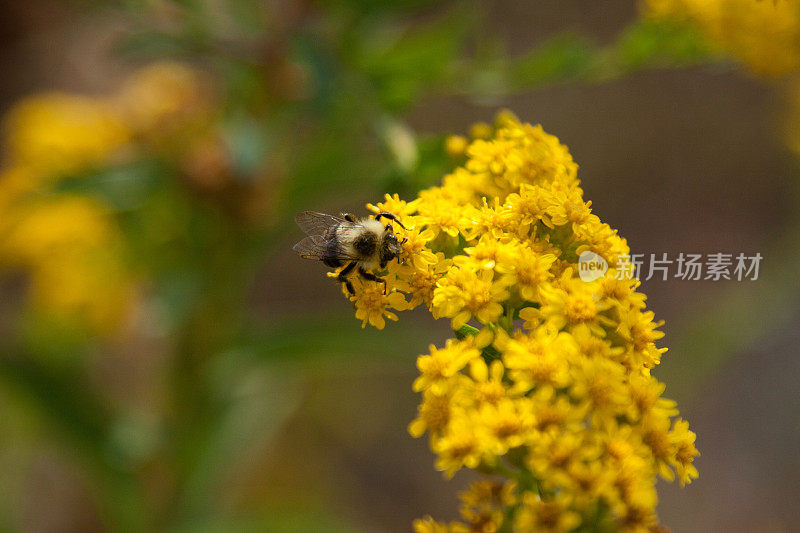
(168, 363)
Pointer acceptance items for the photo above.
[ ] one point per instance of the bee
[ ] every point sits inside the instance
(362, 243)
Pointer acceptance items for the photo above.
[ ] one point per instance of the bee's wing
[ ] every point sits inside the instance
(311, 247)
(316, 247)
(314, 223)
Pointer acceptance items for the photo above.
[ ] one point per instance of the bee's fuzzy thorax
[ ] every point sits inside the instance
(361, 241)
(373, 225)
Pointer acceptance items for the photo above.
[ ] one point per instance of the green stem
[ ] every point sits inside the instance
(506, 321)
(501, 469)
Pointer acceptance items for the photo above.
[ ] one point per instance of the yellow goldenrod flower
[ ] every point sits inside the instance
(434, 413)
(509, 423)
(645, 397)
(442, 364)
(463, 294)
(554, 392)
(415, 248)
(429, 525)
(539, 359)
(548, 516)
(685, 451)
(487, 381)
(462, 445)
(483, 505)
(393, 204)
(489, 254)
(555, 413)
(420, 282)
(570, 303)
(531, 271)
(373, 305)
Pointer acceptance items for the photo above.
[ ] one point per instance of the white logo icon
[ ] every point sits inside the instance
(591, 266)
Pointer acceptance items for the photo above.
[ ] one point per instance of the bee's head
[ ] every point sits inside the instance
(392, 244)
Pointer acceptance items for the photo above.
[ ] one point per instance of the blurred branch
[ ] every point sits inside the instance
(572, 58)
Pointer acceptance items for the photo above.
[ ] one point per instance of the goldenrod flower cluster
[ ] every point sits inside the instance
(547, 386)
(68, 244)
(764, 34)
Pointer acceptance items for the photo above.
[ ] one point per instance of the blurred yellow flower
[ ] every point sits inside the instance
(547, 516)
(764, 35)
(160, 98)
(56, 134)
(456, 145)
(73, 254)
(69, 245)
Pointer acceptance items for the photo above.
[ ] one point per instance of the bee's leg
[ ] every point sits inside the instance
(372, 277)
(390, 217)
(349, 217)
(342, 278)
